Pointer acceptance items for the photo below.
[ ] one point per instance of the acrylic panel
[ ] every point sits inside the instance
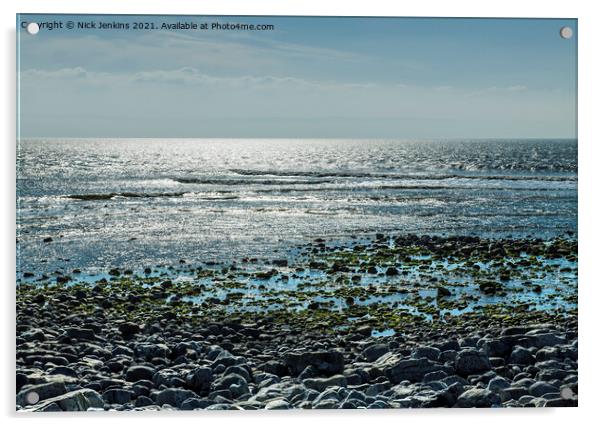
(260, 212)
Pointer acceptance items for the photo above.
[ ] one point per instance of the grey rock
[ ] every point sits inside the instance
(326, 362)
(78, 400)
(331, 395)
(143, 401)
(448, 355)
(277, 404)
(226, 359)
(497, 384)
(200, 379)
(373, 352)
(499, 347)
(233, 382)
(33, 335)
(391, 271)
(223, 406)
(51, 408)
(468, 342)
(173, 397)
(478, 398)
(426, 352)
(556, 353)
(448, 345)
(513, 392)
(128, 329)
(267, 394)
(364, 330)
(80, 333)
(355, 378)
(434, 376)
(551, 395)
(320, 384)
(513, 331)
(122, 350)
(238, 391)
(543, 339)
(275, 367)
(118, 396)
(351, 404)
(169, 378)
(379, 405)
(240, 370)
(326, 404)
(43, 391)
(356, 395)
(443, 292)
(149, 351)
(194, 404)
(139, 372)
(521, 356)
(21, 380)
(309, 372)
(538, 389)
(328, 394)
(525, 399)
(435, 385)
(547, 375)
(411, 369)
(452, 379)
(98, 351)
(471, 361)
(387, 360)
(281, 390)
(524, 382)
(375, 389)
(46, 359)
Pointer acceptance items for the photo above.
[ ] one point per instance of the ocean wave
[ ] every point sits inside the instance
(113, 195)
(331, 174)
(235, 182)
(232, 195)
(403, 188)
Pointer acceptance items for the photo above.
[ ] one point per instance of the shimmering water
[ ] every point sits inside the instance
(139, 202)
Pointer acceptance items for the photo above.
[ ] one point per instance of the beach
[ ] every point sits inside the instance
(296, 274)
(157, 341)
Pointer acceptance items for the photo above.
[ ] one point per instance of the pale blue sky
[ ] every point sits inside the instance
(310, 77)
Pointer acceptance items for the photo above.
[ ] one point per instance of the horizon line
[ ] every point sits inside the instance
(306, 138)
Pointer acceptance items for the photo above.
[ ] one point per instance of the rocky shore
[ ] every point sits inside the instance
(496, 327)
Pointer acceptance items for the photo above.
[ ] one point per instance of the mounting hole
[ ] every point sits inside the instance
(566, 32)
(566, 393)
(32, 398)
(33, 28)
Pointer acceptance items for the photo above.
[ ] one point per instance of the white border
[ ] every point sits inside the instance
(590, 140)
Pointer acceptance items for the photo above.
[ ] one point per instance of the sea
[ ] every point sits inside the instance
(94, 204)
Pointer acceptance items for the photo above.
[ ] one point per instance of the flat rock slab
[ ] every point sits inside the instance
(78, 400)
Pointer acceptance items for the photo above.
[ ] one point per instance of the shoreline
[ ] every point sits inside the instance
(391, 322)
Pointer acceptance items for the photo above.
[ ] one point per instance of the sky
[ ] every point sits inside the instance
(309, 77)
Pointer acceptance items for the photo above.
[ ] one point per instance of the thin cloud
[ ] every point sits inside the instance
(193, 77)
(495, 89)
(186, 76)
